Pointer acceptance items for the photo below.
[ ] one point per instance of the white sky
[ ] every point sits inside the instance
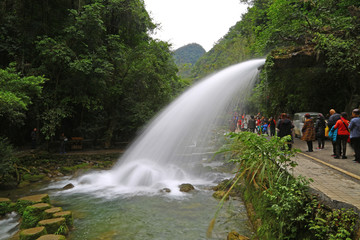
(194, 21)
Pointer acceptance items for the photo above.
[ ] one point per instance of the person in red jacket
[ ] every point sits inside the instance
(342, 125)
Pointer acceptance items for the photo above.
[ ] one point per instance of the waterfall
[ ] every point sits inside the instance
(167, 151)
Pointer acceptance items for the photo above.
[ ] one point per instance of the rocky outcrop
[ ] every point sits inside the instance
(295, 57)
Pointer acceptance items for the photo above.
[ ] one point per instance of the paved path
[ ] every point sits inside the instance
(338, 179)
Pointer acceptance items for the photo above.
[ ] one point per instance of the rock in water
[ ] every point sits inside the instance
(186, 187)
(32, 233)
(52, 237)
(68, 186)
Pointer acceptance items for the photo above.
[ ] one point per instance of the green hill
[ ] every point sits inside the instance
(186, 57)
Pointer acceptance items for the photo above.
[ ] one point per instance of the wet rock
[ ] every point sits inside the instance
(167, 190)
(186, 187)
(32, 233)
(220, 194)
(50, 212)
(67, 215)
(233, 235)
(68, 186)
(23, 202)
(55, 225)
(33, 214)
(51, 237)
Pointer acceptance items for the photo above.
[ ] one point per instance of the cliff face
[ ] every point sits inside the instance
(298, 80)
(295, 57)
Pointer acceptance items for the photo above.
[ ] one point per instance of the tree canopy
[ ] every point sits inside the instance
(105, 75)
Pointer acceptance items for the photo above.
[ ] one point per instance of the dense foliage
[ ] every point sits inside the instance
(283, 203)
(105, 76)
(186, 57)
(315, 65)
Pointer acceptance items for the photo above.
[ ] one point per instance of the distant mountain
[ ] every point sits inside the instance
(186, 57)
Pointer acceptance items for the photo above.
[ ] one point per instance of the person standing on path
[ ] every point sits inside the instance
(33, 136)
(334, 117)
(285, 127)
(320, 131)
(272, 125)
(342, 125)
(308, 131)
(251, 124)
(354, 127)
(63, 140)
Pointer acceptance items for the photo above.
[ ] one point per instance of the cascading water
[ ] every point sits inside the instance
(163, 155)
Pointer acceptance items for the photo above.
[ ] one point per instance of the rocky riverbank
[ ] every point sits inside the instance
(40, 166)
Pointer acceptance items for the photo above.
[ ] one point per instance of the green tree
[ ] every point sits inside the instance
(16, 93)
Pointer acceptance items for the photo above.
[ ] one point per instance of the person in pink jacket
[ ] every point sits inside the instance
(342, 125)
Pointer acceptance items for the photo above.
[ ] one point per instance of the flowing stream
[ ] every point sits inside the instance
(176, 147)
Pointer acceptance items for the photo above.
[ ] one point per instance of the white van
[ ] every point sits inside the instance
(299, 119)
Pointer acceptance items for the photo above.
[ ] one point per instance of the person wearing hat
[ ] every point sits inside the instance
(308, 131)
(355, 133)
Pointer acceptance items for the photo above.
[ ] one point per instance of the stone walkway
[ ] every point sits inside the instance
(337, 179)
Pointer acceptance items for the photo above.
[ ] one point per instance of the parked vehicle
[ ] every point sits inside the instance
(299, 119)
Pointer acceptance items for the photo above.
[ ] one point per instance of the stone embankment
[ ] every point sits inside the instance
(39, 219)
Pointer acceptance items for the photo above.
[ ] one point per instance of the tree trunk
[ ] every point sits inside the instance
(109, 132)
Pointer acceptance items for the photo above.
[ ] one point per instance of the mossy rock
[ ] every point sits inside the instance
(186, 187)
(51, 237)
(23, 202)
(5, 206)
(32, 233)
(233, 235)
(220, 195)
(24, 184)
(33, 178)
(33, 214)
(55, 225)
(48, 213)
(67, 215)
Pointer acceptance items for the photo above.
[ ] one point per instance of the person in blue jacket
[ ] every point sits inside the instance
(355, 133)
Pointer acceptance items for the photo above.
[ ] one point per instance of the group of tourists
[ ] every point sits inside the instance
(256, 124)
(342, 130)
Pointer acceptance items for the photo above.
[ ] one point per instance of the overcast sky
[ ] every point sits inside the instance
(194, 21)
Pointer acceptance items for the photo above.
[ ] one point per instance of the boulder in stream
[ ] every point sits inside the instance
(186, 187)
(68, 186)
(167, 190)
